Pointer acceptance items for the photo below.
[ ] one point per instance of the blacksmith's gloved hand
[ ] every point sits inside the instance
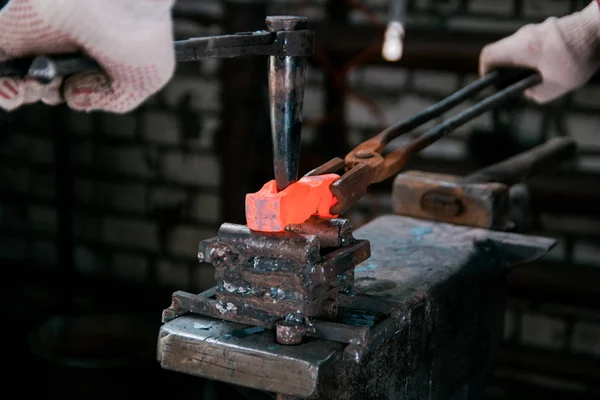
(132, 40)
(565, 51)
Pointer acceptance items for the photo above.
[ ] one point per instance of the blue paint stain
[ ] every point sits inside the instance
(418, 233)
(201, 326)
(273, 348)
(366, 266)
(241, 333)
(227, 336)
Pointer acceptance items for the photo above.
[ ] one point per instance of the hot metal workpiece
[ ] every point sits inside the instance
(421, 319)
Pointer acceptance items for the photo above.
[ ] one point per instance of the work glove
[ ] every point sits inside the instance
(132, 40)
(564, 51)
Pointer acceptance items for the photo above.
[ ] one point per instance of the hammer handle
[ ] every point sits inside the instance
(518, 168)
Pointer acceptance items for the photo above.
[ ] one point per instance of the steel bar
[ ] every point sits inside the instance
(287, 76)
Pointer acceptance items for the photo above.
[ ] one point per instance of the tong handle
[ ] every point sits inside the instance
(45, 68)
(499, 77)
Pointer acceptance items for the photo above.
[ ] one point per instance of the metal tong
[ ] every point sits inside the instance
(366, 165)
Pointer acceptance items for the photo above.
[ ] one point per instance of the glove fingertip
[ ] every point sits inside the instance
(11, 93)
(87, 91)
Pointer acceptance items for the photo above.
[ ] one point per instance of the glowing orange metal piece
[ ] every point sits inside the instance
(270, 211)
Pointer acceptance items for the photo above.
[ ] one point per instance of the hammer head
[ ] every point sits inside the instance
(445, 198)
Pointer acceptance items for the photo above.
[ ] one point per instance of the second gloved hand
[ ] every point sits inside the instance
(132, 40)
(565, 51)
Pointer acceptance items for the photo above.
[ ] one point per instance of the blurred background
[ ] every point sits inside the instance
(100, 215)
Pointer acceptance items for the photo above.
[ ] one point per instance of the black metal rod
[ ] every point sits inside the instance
(492, 78)
(286, 96)
(467, 115)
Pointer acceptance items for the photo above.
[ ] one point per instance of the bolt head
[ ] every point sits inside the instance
(363, 154)
(286, 23)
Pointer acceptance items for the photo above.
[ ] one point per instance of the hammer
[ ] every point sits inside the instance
(481, 199)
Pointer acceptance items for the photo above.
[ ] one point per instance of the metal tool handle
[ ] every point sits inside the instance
(518, 168)
(500, 78)
(45, 69)
(395, 160)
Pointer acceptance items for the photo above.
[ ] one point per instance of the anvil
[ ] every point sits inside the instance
(445, 286)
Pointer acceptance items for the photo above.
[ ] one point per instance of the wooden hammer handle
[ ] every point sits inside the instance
(518, 168)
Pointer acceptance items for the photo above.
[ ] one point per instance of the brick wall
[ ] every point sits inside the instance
(146, 186)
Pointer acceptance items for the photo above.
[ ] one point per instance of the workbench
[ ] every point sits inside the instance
(448, 285)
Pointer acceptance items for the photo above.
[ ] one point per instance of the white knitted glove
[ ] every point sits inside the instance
(565, 52)
(131, 39)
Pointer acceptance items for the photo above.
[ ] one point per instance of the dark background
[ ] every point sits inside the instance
(100, 215)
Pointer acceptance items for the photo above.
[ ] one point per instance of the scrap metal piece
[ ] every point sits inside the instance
(289, 332)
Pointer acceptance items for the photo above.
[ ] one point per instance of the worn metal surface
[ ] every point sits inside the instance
(430, 305)
(443, 197)
(481, 199)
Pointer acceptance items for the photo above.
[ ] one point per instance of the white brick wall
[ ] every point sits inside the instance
(43, 252)
(161, 127)
(206, 207)
(174, 274)
(126, 159)
(436, 81)
(491, 6)
(541, 331)
(541, 9)
(192, 169)
(204, 93)
(509, 324)
(13, 248)
(119, 125)
(130, 268)
(586, 338)
(587, 252)
(90, 262)
(81, 122)
(183, 241)
(42, 219)
(42, 184)
(585, 129)
(126, 197)
(36, 149)
(14, 178)
(134, 233)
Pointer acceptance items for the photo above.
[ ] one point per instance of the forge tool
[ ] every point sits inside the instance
(367, 164)
(482, 198)
(401, 308)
